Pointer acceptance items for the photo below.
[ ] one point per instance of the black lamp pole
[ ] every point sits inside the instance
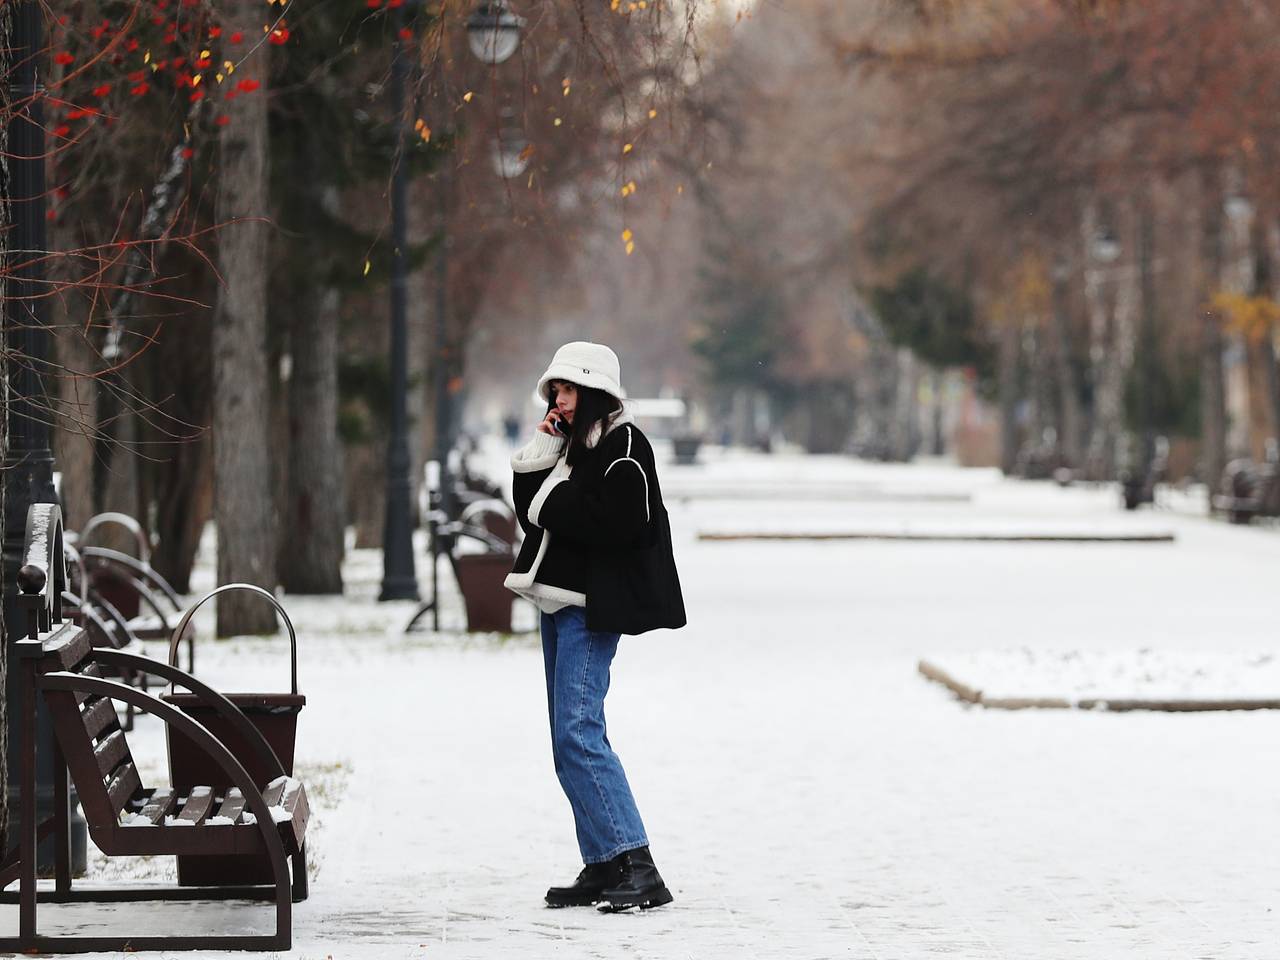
(493, 32)
(443, 400)
(399, 579)
(28, 463)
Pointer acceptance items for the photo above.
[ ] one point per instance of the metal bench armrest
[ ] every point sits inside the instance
(199, 734)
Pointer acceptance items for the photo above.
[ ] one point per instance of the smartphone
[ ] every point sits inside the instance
(560, 427)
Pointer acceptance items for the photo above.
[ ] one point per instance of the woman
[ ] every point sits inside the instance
(597, 562)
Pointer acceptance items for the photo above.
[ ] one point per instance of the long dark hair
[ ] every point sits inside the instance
(594, 407)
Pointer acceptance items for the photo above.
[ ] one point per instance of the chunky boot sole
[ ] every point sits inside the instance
(645, 900)
(567, 899)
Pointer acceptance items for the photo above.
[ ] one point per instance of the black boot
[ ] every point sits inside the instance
(639, 885)
(586, 890)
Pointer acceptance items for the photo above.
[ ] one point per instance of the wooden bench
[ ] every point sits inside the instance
(1249, 490)
(130, 584)
(1138, 488)
(60, 666)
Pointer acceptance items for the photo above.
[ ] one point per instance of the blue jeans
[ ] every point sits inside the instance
(590, 773)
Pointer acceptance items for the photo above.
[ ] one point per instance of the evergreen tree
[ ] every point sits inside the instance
(934, 320)
(327, 138)
(741, 337)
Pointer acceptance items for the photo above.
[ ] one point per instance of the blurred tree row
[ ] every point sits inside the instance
(1068, 208)
(1116, 155)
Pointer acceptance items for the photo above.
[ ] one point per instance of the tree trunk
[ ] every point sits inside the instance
(76, 422)
(121, 488)
(179, 473)
(1148, 341)
(939, 443)
(828, 411)
(241, 465)
(905, 425)
(1264, 242)
(183, 507)
(1213, 404)
(312, 546)
(1267, 243)
(1071, 419)
(1109, 297)
(1007, 372)
(367, 496)
(1039, 397)
(1237, 276)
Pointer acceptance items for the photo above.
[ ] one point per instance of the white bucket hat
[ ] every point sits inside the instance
(587, 365)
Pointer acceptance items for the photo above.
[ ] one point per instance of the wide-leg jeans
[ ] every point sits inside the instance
(590, 773)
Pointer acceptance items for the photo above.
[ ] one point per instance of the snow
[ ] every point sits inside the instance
(807, 792)
(38, 548)
(995, 529)
(288, 785)
(1156, 676)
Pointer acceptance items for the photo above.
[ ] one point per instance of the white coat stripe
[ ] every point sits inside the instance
(642, 474)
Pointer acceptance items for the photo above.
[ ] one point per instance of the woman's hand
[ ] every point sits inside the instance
(548, 425)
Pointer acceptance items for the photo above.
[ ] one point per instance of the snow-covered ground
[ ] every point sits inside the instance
(807, 792)
(1119, 679)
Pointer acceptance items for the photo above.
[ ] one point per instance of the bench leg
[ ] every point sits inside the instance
(27, 843)
(62, 821)
(299, 861)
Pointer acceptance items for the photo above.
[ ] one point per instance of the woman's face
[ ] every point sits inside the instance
(566, 398)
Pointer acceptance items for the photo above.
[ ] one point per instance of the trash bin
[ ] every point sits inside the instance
(488, 602)
(685, 446)
(275, 715)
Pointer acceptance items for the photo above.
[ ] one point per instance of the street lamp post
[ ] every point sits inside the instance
(399, 579)
(493, 33)
(28, 462)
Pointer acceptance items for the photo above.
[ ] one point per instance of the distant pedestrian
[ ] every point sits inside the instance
(597, 562)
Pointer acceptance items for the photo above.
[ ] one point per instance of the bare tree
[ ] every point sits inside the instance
(242, 463)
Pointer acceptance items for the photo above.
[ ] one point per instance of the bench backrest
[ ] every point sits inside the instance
(88, 731)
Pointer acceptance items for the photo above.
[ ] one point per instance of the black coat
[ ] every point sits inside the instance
(609, 534)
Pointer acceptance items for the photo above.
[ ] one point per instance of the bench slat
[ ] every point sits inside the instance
(273, 792)
(89, 669)
(294, 802)
(232, 805)
(111, 751)
(65, 650)
(197, 806)
(124, 784)
(158, 805)
(287, 795)
(98, 717)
